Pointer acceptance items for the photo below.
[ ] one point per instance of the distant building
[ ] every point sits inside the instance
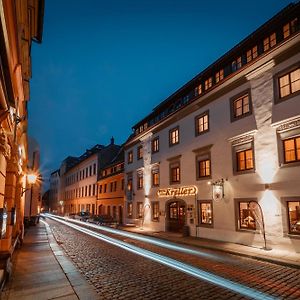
(54, 196)
(110, 199)
(78, 178)
(226, 145)
(45, 201)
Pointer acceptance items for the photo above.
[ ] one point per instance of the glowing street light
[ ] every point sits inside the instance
(31, 178)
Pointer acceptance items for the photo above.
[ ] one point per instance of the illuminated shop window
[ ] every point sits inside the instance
(140, 152)
(139, 207)
(294, 216)
(201, 123)
(291, 150)
(155, 211)
(289, 83)
(130, 157)
(174, 136)
(205, 212)
(155, 145)
(246, 216)
(245, 160)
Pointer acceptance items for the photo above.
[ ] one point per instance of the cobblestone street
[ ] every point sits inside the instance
(118, 274)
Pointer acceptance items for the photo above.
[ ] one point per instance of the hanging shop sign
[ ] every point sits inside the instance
(183, 191)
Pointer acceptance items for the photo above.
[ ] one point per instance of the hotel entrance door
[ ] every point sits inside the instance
(175, 215)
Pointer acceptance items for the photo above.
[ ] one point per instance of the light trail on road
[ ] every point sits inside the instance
(151, 240)
(172, 263)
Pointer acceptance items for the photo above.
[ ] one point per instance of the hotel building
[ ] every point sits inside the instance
(221, 156)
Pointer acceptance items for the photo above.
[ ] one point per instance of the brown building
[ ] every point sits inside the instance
(21, 22)
(110, 198)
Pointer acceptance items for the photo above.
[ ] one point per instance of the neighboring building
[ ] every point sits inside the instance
(78, 178)
(45, 201)
(110, 200)
(226, 144)
(21, 22)
(54, 191)
(33, 199)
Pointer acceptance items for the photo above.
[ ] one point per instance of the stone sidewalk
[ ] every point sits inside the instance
(285, 258)
(42, 271)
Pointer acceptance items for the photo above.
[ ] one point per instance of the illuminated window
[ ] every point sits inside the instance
(291, 150)
(155, 145)
(198, 90)
(201, 123)
(139, 207)
(236, 64)
(270, 41)
(246, 216)
(219, 75)
(208, 83)
(174, 136)
(245, 160)
(173, 210)
(205, 212)
(289, 83)
(155, 177)
(204, 168)
(155, 210)
(174, 173)
(140, 152)
(140, 181)
(251, 54)
(129, 210)
(290, 28)
(130, 157)
(294, 217)
(240, 107)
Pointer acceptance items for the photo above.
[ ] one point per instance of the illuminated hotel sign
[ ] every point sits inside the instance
(190, 190)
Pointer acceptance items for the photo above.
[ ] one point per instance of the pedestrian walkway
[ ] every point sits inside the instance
(281, 257)
(42, 271)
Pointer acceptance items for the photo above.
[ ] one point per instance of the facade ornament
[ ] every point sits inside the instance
(4, 146)
(289, 125)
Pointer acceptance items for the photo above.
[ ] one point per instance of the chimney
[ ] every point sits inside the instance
(112, 140)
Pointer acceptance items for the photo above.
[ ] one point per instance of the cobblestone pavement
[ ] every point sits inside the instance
(118, 274)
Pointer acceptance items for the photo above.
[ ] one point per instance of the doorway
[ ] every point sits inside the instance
(176, 215)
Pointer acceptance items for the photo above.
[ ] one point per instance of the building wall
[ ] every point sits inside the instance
(272, 183)
(54, 196)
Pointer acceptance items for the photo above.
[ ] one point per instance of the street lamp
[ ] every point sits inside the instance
(31, 179)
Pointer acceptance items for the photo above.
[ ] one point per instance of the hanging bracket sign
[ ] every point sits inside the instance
(184, 191)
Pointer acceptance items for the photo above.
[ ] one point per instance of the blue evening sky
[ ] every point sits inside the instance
(105, 64)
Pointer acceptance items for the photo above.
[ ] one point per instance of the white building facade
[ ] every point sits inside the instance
(221, 156)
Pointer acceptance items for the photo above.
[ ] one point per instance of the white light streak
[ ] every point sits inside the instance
(172, 263)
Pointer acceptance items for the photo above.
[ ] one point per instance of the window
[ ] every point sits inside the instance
(205, 212)
(246, 216)
(201, 123)
(219, 75)
(155, 145)
(198, 90)
(139, 207)
(270, 41)
(236, 64)
(251, 54)
(122, 185)
(155, 177)
(203, 168)
(115, 186)
(100, 189)
(129, 210)
(240, 106)
(294, 216)
(291, 149)
(130, 157)
(155, 211)
(105, 188)
(208, 83)
(140, 152)
(94, 189)
(174, 136)
(140, 181)
(90, 190)
(94, 169)
(174, 173)
(289, 83)
(111, 187)
(290, 28)
(90, 170)
(245, 160)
